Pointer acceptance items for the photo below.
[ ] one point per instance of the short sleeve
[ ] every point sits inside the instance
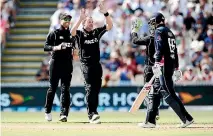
(101, 31)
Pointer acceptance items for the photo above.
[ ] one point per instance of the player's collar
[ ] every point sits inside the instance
(63, 28)
(87, 31)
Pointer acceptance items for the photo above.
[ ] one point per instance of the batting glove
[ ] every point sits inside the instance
(136, 25)
(177, 75)
(157, 70)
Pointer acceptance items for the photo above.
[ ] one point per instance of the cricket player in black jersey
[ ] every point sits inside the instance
(60, 42)
(89, 53)
(166, 64)
(147, 41)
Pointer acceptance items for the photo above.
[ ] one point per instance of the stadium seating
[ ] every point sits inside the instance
(24, 53)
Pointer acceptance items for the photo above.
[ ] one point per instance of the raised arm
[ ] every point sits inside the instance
(140, 40)
(81, 18)
(106, 14)
(135, 27)
(109, 23)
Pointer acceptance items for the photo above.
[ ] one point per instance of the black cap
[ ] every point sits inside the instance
(158, 17)
(65, 16)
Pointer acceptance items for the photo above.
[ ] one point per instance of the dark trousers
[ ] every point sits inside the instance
(92, 80)
(59, 70)
(168, 85)
(152, 96)
(164, 86)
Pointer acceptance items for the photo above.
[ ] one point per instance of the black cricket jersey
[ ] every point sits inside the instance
(55, 38)
(88, 44)
(165, 46)
(147, 41)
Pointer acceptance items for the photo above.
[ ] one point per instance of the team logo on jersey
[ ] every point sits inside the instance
(67, 44)
(85, 34)
(95, 40)
(158, 38)
(170, 34)
(61, 37)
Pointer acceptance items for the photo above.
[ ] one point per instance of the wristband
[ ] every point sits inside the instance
(51, 48)
(106, 14)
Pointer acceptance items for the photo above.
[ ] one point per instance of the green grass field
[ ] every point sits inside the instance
(113, 124)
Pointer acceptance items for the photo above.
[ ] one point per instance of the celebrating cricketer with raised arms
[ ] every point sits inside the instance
(89, 53)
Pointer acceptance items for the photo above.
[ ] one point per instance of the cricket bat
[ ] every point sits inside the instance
(141, 96)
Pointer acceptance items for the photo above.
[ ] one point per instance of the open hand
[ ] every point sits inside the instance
(102, 8)
(83, 14)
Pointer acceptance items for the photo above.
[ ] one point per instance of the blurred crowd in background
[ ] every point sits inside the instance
(7, 20)
(190, 20)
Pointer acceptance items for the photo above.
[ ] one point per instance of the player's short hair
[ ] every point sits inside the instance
(83, 22)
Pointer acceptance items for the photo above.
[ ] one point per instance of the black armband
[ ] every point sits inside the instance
(106, 14)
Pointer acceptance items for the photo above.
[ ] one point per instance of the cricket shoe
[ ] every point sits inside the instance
(48, 116)
(95, 119)
(183, 125)
(146, 125)
(63, 118)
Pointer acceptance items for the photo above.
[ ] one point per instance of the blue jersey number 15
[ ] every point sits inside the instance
(172, 45)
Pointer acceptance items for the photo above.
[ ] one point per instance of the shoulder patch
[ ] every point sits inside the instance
(170, 34)
(85, 34)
